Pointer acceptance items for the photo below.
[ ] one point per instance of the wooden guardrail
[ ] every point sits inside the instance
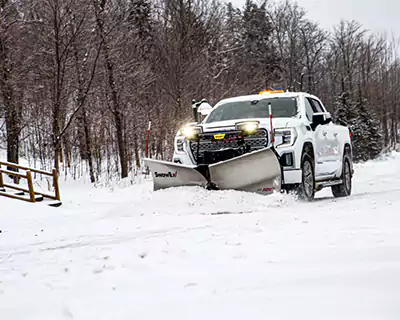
(33, 195)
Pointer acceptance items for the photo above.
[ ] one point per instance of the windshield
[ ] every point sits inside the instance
(281, 108)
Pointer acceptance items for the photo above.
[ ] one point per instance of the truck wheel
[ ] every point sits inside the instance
(344, 189)
(306, 189)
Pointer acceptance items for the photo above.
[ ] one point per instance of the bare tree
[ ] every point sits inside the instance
(81, 79)
(11, 93)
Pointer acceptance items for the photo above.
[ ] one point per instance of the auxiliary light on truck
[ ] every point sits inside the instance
(191, 132)
(248, 127)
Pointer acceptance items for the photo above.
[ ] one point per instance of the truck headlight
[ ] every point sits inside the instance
(179, 145)
(248, 127)
(191, 132)
(285, 137)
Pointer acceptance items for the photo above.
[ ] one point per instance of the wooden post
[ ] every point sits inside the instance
(30, 186)
(55, 182)
(1, 180)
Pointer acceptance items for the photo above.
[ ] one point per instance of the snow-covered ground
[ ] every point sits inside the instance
(130, 253)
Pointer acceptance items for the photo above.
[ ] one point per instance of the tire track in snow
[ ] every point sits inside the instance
(94, 241)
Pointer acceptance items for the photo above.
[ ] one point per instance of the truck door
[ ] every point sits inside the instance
(326, 143)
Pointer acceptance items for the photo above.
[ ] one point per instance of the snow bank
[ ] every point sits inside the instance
(126, 252)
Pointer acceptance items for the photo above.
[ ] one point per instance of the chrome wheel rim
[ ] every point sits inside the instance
(308, 178)
(347, 176)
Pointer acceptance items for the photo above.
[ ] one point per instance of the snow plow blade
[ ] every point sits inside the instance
(258, 171)
(168, 174)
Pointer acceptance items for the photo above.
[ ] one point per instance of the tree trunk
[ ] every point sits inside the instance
(11, 114)
(12, 136)
(88, 147)
(57, 89)
(67, 153)
(136, 150)
(118, 116)
(83, 126)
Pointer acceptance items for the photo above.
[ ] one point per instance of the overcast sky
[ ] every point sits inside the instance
(377, 15)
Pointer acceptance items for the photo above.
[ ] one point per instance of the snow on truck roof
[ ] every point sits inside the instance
(262, 96)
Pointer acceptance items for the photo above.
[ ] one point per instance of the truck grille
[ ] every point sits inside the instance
(233, 140)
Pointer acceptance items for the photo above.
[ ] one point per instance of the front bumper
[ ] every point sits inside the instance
(293, 176)
(288, 155)
(290, 175)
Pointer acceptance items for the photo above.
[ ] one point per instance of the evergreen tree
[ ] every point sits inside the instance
(259, 57)
(232, 31)
(140, 18)
(362, 123)
(344, 108)
(366, 133)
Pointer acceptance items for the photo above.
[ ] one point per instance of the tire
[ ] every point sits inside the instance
(306, 189)
(344, 189)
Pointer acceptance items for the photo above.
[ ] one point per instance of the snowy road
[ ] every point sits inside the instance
(134, 254)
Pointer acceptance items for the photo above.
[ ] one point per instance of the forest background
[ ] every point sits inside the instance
(81, 79)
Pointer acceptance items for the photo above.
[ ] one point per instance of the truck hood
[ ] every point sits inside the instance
(264, 123)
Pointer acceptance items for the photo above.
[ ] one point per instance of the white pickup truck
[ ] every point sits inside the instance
(251, 142)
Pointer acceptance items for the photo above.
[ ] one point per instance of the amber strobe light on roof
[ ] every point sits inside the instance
(271, 91)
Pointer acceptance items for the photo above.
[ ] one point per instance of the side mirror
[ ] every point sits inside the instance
(320, 118)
